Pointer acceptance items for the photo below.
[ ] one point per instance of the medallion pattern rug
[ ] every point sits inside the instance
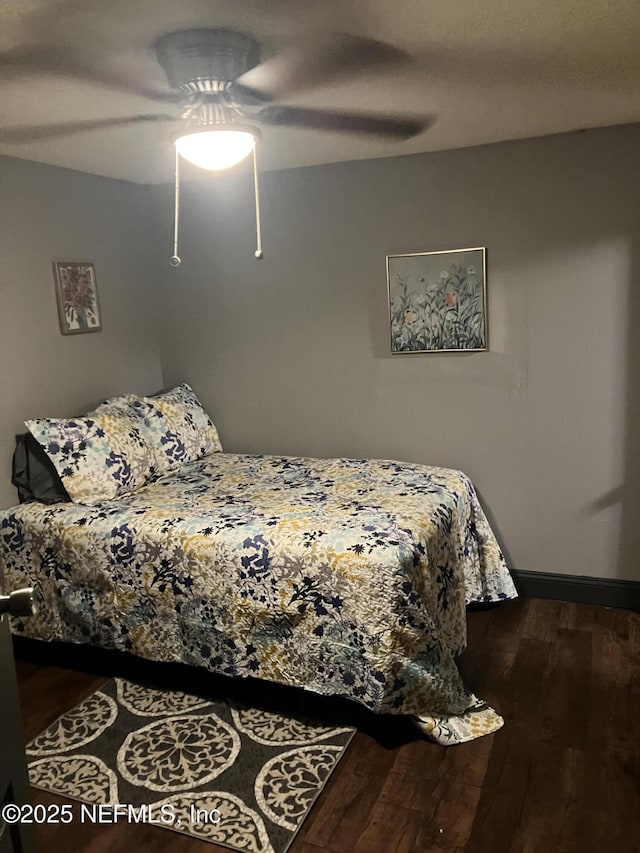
(236, 776)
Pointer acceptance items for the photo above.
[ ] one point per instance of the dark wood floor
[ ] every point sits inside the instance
(562, 775)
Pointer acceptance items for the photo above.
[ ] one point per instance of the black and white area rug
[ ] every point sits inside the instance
(236, 776)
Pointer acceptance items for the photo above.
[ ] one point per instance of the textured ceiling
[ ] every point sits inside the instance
(489, 71)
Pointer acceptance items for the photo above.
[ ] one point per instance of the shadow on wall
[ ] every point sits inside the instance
(493, 523)
(628, 562)
(627, 495)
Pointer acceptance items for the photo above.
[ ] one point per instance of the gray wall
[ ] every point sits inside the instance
(291, 354)
(49, 214)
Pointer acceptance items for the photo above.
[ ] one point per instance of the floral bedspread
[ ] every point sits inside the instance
(343, 576)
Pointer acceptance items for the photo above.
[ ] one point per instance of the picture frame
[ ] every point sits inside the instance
(438, 301)
(77, 297)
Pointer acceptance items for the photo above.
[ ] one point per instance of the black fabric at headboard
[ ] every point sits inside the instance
(33, 473)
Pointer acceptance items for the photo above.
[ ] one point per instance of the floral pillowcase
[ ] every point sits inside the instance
(99, 456)
(174, 425)
(126, 442)
(176, 428)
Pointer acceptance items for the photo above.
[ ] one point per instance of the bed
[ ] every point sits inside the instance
(346, 577)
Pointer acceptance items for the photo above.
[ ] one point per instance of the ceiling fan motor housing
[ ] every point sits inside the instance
(206, 60)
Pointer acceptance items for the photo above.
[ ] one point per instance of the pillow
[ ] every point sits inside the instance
(99, 456)
(176, 428)
(120, 402)
(33, 473)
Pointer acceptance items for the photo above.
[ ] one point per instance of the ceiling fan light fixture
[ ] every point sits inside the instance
(216, 148)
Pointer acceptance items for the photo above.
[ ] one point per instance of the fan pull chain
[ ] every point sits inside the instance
(258, 251)
(175, 258)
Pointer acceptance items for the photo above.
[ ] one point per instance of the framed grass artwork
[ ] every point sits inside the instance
(438, 301)
(77, 296)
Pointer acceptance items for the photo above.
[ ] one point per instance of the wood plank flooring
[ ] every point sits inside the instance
(562, 776)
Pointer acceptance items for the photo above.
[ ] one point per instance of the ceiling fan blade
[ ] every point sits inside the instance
(316, 65)
(401, 127)
(26, 133)
(42, 59)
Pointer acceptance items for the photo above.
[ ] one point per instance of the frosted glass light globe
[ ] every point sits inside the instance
(215, 149)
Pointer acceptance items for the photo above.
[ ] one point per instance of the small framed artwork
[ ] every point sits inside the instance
(77, 295)
(438, 301)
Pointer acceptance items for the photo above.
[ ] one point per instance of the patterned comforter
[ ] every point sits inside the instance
(342, 576)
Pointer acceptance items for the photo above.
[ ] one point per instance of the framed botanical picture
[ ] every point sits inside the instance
(77, 296)
(438, 301)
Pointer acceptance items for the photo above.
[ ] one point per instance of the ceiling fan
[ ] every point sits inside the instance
(218, 81)
(223, 93)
